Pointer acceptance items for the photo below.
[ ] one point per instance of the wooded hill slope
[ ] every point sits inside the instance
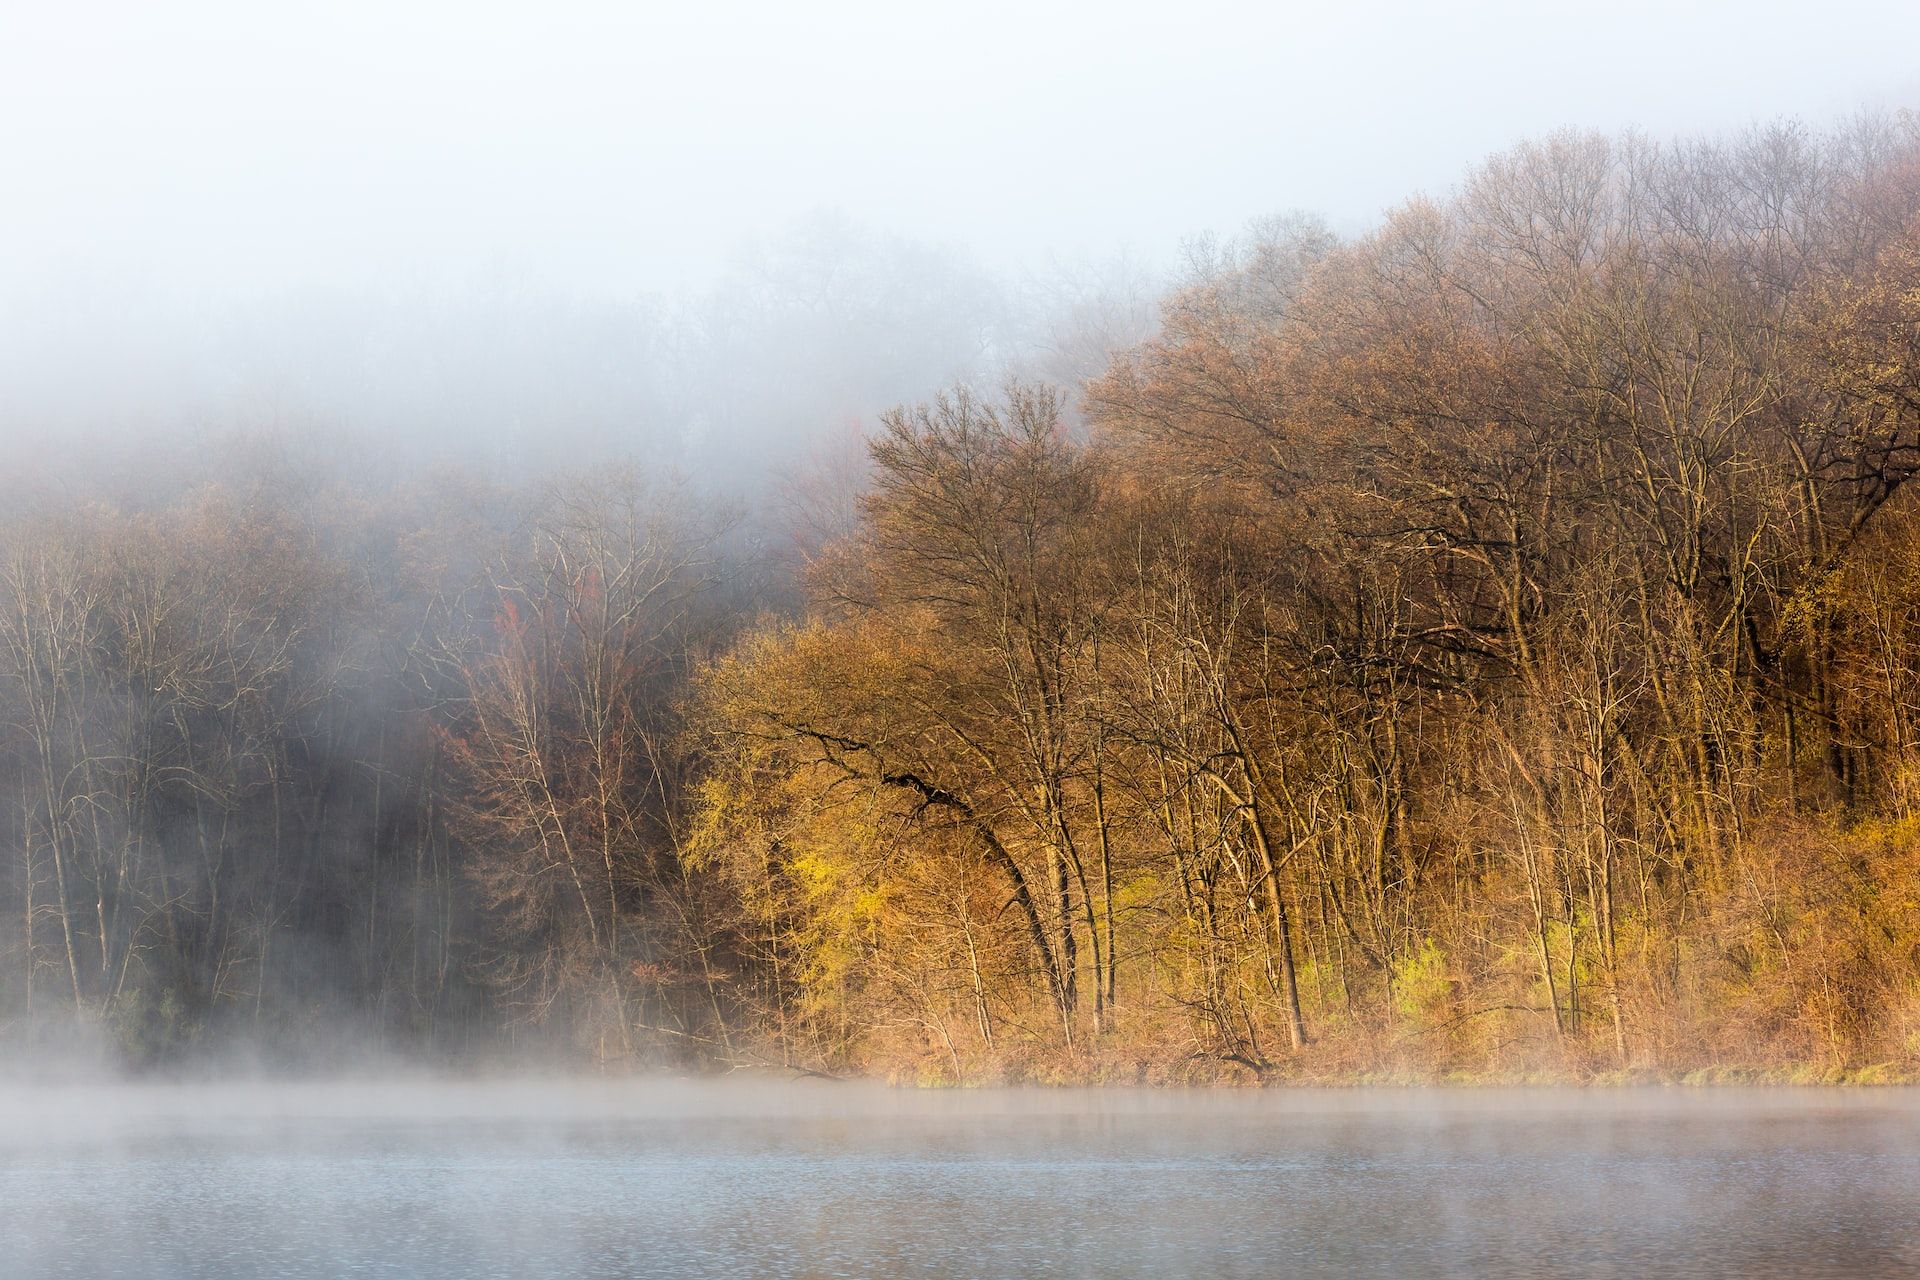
(1490, 647)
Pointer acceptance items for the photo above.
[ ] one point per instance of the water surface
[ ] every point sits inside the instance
(672, 1179)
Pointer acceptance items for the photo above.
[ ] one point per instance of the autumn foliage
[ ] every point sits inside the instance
(1485, 647)
(1489, 647)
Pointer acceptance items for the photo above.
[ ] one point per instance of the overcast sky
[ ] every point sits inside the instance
(614, 147)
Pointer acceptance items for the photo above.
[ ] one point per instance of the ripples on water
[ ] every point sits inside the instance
(669, 1179)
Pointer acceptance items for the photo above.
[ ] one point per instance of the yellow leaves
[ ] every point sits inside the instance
(1809, 610)
(1138, 891)
(1422, 985)
(813, 875)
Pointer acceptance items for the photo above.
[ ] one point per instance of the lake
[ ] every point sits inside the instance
(817, 1179)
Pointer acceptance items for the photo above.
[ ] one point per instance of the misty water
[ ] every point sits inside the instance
(817, 1179)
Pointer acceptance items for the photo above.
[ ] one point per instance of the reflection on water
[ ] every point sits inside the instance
(674, 1179)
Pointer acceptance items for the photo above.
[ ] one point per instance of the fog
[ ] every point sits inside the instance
(822, 326)
(716, 236)
(118, 1113)
(559, 1177)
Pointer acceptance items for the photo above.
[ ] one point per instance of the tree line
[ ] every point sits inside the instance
(1485, 646)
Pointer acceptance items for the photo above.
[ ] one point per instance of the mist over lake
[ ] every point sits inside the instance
(571, 1178)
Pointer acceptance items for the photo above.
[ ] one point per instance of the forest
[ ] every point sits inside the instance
(1487, 647)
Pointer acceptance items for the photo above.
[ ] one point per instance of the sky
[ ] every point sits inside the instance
(608, 148)
(207, 201)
